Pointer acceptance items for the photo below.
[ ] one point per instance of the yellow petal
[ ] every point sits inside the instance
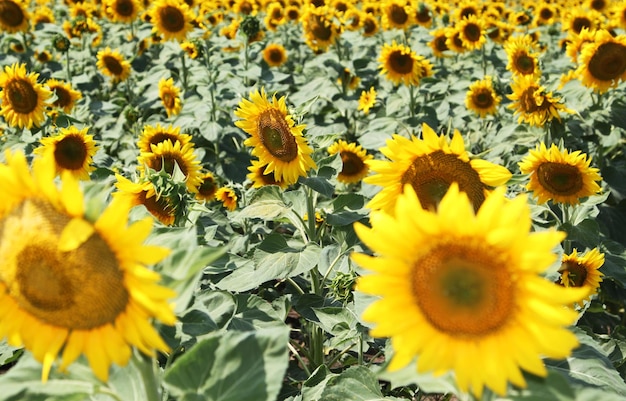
(75, 233)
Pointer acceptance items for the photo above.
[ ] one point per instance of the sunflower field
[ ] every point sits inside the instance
(312, 200)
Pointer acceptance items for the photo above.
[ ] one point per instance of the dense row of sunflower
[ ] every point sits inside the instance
(466, 141)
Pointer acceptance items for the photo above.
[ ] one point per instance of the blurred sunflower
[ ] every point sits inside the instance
(348, 80)
(397, 14)
(582, 271)
(274, 54)
(430, 165)
(455, 286)
(575, 43)
(424, 15)
(535, 106)
(111, 63)
(559, 175)
(260, 179)
(482, 98)
(23, 99)
(123, 10)
(400, 64)
(170, 96)
(353, 158)
(370, 25)
(43, 15)
(472, 32)
(352, 19)
(65, 94)
(320, 30)
(603, 62)
(454, 41)
(367, 100)
(190, 49)
(578, 18)
(166, 154)
(153, 135)
(69, 285)
(275, 138)
(13, 16)
(228, 197)
(207, 187)
(546, 14)
(172, 19)
(144, 193)
(72, 151)
(522, 60)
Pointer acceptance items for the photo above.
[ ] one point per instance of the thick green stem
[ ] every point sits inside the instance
(184, 70)
(147, 368)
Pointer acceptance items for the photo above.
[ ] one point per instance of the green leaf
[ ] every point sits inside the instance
(253, 312)
(232, 366)
(8, 353)
(319, 184)
(357, 383)
(554, 387)
(266, 209)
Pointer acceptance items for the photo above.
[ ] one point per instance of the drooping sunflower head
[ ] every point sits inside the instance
(166, 155)
(13, 16)
(582, 271)
(430, 165)
(66, 96)
(172, 19)
(69, 285)
(260, 178)
(453, 285)
(367, 100)
(522, 60)
(603, 62)
(397, 14)
(274, 137)
(559, 175)
(111, 63)
(144, 193)
(228, 197)
(353, 158)
(207, 188)
(400, 64)
(482, 98)
(531, 101)
(170, 96)
(23, 99)
(72, 150)
(153, 135)
(274, 54)
(123, 10)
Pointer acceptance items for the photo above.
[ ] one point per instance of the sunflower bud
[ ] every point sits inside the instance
(61, 43)
(250, 26)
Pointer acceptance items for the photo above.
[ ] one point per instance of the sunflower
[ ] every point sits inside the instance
(400, 64)
(190, 49)
(424, 15)
(144, 193)
(579, 18)
(320, 30)
(275, 138)
(535, 106)
(522, 60)
(69, 285)
(482, 98)
(72, 150)
(43, 56)
(367, 100)
(166, 154)
(66, 97)
(228, 197)
(397, 14)
(472, 32)
(170, 96)
(352, 19)
(546, 14)
(463, 291)
(430, 165)
(172, 19)
(438, 42)
(370, 25)
(43, 15)
(123, 10)
(23, 99)
(348, 80)
(559, 175)
(153, 135)
(274, 54)
(112, 63)
(454, 41)
(260, 179)
(13, 16)
(576, 42)
(582, 271)
(207, 187)
(353, 158)
(603, 63)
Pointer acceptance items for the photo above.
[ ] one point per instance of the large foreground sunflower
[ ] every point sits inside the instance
(72, 150)
(275, 139)
(70, 285)
(603, 63)
(582, 271)
(463, 291)
(430, 165)
(560, 175)
(23, 99)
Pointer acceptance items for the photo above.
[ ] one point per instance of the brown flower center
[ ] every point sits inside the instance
(608, 62)
(352, 164)
(472, 32)
(22, 96)
(276, 56)
(113, 65)
(579, 23)
(558, 178)
(11, 14)
(172, 19)
(576, 273)
(483, 99)
(431, 175)
(276, 136)
(320, 29)
(524, 63)
(78, 289)
(397, 15)
(64, 98)
(71, 152)
(124, 8)
(401, 62)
